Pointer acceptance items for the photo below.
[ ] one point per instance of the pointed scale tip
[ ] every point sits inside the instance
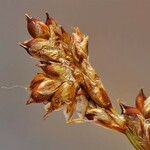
(141, 93)
(47, 15)
(50, 20)
(23, 45)
(28, 17)
(141, 90)
(123, 107)
(139, 101)
(128, 110)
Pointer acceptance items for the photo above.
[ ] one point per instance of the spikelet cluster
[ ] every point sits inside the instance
(68, 82)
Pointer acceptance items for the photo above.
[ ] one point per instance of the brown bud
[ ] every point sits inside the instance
(105, 98)
(36, 80)
(65, 95)
(37, 28)
(140, 101)
(54, 105)
(34, 44)
(42, 50)
(97, 93)
(37, 44)
(36, 97)
(55, 70)
(50, 20)
(49, 69)
(42, 89)
(67, 92)
(81, 41)
(57, 29)
(48, 86)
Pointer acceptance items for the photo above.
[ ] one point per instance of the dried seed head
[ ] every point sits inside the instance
(70, 83)
(36, 28)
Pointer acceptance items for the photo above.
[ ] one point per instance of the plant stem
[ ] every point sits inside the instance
(134, 140)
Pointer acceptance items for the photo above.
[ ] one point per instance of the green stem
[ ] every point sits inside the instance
(134, 140)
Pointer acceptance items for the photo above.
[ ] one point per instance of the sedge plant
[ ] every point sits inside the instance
(68, 82)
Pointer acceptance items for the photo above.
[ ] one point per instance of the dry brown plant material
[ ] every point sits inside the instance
(68, 82)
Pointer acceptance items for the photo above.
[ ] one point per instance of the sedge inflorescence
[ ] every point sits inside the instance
(68, 82)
